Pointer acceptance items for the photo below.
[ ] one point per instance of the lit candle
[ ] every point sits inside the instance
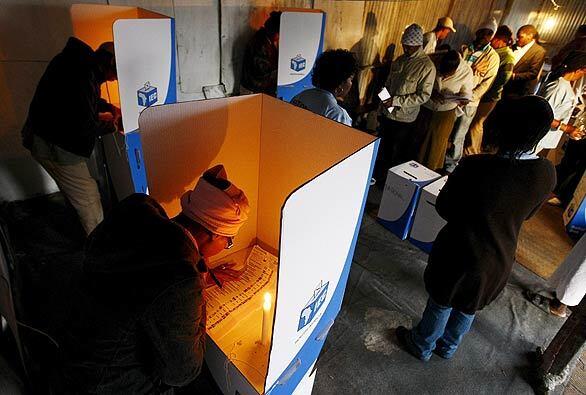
(266, 320)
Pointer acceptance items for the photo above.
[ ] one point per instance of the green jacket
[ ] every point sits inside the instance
(507, 62)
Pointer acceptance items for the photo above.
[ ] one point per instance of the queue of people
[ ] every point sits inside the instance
(443, 97)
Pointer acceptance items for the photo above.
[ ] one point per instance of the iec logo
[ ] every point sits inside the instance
(298, 63)
(312, 307)
(147, 95)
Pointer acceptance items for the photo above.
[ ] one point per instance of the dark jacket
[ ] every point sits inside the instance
(526, 72)
(65, 106)
(260, 63)
(138, 320)
(485, 201)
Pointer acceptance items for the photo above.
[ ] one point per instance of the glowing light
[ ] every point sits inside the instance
(549, 23)
(266, 329)
(267, 301)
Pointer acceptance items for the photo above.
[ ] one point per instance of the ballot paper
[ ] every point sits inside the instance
(228, 303)
(384, 94)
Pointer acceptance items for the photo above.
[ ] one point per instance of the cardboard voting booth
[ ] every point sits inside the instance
(400, 195)
(301, 41)
(144, 42)
(575, 213)
(306, 178)
(427, 222)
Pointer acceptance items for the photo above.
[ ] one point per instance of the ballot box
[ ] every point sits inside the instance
(144, 42)
(306, 178)
(301, 41)
(400, 195)
(427, 222)
(575, 213)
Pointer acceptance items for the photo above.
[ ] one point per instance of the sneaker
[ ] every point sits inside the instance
(405, 342)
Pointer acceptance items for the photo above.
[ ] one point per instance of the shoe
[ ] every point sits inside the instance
(544, 303)
(554, 201)
(405, 342)
(440, 354)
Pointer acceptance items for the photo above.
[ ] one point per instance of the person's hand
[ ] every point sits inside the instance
(106, 117)
(438, 97)
(481, 69)
(388, 103)
(575, 133)
(228, 271)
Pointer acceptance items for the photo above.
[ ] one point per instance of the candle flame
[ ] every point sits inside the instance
(267, 301)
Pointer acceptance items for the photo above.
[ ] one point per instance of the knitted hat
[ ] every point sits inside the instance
(413, 36)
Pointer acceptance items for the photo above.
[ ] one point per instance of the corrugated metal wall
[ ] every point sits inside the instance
(558, 27)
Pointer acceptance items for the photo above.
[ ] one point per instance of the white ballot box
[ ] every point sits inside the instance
(427, 222)
(306, 178)
(402, 189)
(144, 42)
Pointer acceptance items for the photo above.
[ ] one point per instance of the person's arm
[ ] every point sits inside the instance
(85, 105)
(535, 65)
(503, 76)
(175, 328)
(487, 80)
(448, 196)
(421, 94)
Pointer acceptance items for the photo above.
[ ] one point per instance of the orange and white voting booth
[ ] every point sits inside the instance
(306, 178)
(144, 42)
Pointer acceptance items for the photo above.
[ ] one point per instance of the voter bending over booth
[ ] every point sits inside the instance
(332, 77)
(66, 116)
(485, 201)
(137, 323)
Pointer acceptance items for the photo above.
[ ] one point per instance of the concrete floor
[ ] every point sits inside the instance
(385, 289)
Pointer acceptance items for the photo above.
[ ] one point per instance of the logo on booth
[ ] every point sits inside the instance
(312, 307)
(147, 95)
(298, 63)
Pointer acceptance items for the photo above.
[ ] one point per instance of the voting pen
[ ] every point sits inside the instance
(218, 283)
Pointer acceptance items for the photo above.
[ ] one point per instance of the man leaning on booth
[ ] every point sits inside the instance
(137, 324)
(66, 116)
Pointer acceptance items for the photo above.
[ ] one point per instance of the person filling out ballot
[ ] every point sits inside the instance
(137, 323)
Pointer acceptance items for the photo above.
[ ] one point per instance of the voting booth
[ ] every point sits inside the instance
(427, 222)
(301, 41)
(306, 178)
(400, 196)
(144, 42)
(575, 213)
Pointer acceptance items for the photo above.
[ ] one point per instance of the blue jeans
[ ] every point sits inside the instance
(461, 128)
(441, 329)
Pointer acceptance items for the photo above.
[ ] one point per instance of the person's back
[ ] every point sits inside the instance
(322, 102)
(64, 109)
(488, 199)
(138, 289)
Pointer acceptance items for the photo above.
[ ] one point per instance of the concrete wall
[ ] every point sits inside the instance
(211, 35)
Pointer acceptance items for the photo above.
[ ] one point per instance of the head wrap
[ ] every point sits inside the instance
(221, 211)
(489, 24)
(413, 36)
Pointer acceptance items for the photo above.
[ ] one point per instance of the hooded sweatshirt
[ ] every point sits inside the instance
(138, 319)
